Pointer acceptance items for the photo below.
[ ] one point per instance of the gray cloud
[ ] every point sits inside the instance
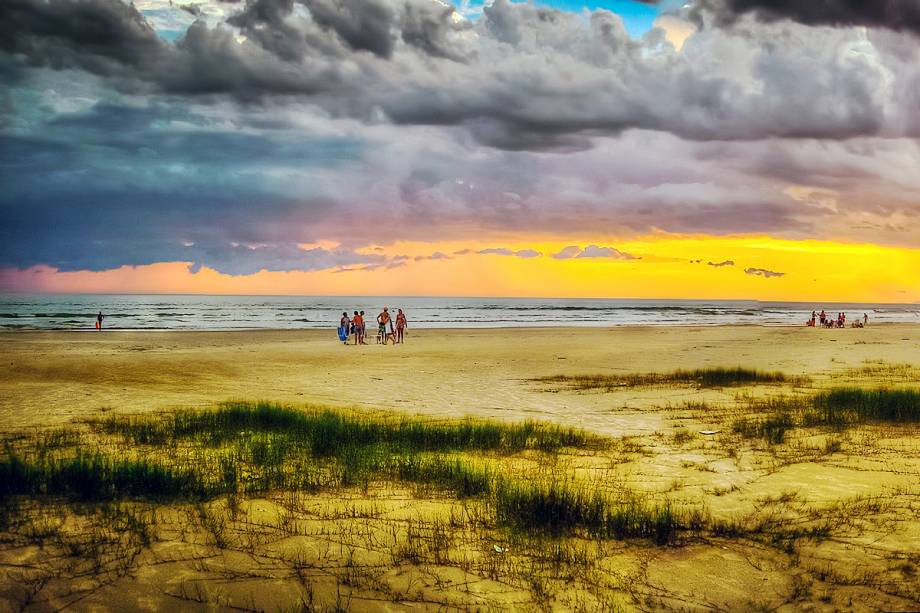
(762, 272)
(721, 264)
(522, 253)
(568, 252)
(121, 146)
(892, 14)
(528, 253)
(593, 251)
(499, 78)
(364, 25)
(437, 255)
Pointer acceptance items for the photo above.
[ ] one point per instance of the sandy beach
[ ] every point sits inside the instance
(862, 479)
(51, 377)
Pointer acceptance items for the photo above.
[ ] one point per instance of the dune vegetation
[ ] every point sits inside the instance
(347, 508)
(700, 377)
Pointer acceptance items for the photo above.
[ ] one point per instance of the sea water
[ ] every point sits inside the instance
(198, 312)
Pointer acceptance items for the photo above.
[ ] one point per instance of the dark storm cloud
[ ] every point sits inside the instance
(120, 185)
(192, 9)
(892, 14)
(237, 142)
(100, 36)
(520, 78)
(365, 25)
(112, 39)
(429, 26)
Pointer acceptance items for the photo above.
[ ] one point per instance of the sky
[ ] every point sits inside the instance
(748, 149)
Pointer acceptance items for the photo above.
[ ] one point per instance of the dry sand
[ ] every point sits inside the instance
(51, 377)
(869, 477)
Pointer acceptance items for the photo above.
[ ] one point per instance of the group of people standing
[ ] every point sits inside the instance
(825, 321)
(388, 328)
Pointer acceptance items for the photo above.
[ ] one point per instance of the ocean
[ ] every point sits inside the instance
(196, 312)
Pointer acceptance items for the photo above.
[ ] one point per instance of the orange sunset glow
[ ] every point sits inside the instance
(687, 267)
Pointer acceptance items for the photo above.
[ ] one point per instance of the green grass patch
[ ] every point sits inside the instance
(326, 430)
(771, 429)
(559, 507)
(854, 405)
(700, 377)
(771, 418)
(94, 477)
(257, 448)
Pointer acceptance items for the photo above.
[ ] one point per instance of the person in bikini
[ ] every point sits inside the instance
(400, 325)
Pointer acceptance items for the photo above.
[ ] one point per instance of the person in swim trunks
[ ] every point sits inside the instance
(358, 324)
(382, 320)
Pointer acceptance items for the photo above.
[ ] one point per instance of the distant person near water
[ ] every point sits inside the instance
(400, 325)
(363, 329)
(99, 319)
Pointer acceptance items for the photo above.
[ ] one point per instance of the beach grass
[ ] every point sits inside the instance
(854, 405)
(771, 429)
(772, 417)
(507, 502)
(96, 477)
(700, 377)
(254, 448)
(326, 430)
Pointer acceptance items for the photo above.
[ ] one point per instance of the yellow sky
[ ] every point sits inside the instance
(814, 270)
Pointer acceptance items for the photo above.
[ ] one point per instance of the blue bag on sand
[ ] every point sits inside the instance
(343, 335)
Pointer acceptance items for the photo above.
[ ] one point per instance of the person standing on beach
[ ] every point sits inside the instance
(99, 319)
(400, 325)
(344, 326)
(357, 323)
(865, 319)
(363, 329)
(382, 320)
